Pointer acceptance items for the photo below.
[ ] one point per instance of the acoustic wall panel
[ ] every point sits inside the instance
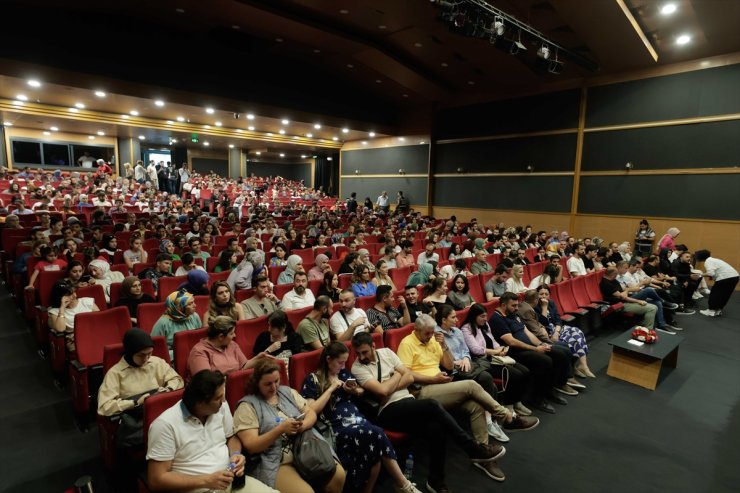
(292, 171)
(544, 153)
(205, 166)
(701, 145)
(367, 186)
(526, 193)
(715, 196)
(699, 93)
(413, 159)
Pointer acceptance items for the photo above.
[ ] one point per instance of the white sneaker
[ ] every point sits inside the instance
(496, 432)
(696, 296)
(409, 487)
(708, 313)
(705, 291)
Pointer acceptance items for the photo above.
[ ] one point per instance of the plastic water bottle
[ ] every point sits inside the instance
(408, 471)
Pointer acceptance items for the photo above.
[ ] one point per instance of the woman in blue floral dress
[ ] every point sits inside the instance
(360, 445)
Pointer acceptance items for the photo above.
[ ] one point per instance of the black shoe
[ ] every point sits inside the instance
(553, 397)
(685, 311)
(546, 407)
(672, 326)
(669, 305)
(666, 330)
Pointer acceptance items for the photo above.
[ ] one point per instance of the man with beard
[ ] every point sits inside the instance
(299, 296)
(314, 329)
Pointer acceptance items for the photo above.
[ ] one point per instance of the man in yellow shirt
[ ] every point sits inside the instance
(424, 353)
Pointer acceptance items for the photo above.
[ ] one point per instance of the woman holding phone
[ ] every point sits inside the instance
(361, 445)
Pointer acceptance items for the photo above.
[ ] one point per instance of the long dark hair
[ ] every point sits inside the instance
(465, 289)
(475, 310)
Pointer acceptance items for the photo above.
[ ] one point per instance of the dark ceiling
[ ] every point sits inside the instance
(368, 60)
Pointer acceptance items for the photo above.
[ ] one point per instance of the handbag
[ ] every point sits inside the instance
(313, 457)
(477, 366)
(502, 360)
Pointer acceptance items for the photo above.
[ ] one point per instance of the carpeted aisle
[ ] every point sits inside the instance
(615, 437)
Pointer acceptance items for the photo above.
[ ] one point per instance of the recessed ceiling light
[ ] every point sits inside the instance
(170, 122)
(282, 155)
(379, 81)
(250, 116)
(134, 113)
(345, 130)
(180, 118)
(282, 132)
(401, 139)
(683, 39)
(54, 129)
(349, 65)
(79, 105)
(100, 94)
(235, 27)
(444, 64)
(250, 128)
(206, 126)
(471, 82)
(210, 111)
(71, 110)
(284, 121)
(206, 143)
(382, 26)
(239, 130)
(303, 156)
(91, 137)
(180, 10)
(141, 137)
(329, 159)
(418, 45)
(364, 142)
(316, 126)
(372, 134)
(668, 9)
(33, 83)
(7, 124)
(344, 11)
(259, 153)
(279, 40)
(101, 133)
(269, 134)
(316, 50)
(47, 133)
(22, 97)
(173, 141)
(218, 124)
(231, 146)
(335, 138)
(159, 103)
(309, 135)
(125, 117)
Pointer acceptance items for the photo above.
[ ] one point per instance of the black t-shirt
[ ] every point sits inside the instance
(417, 309)
(608, 288)
(588, 263)
(650, 270)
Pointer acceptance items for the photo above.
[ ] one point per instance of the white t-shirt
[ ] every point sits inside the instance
(382, 201)
(719, 269)
(338, 325)
(576, 265)
(389, 361)
(193, 448)
(86, 161)
(84, 305)
(422, 258)
(515, 286)
(292, 301)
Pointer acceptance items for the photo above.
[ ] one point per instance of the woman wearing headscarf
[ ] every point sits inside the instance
(668, 240)
(480, 243)
(241, 277)
(132, 296)
(100, 271)
(179, 315)
(423, 276)
(168, 247)
(364, 259)
(295, 264)
(109, 246)
(196, 283)
(129, 382)
(322, 266)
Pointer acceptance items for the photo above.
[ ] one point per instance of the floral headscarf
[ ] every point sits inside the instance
(175, 305)
(164, 245)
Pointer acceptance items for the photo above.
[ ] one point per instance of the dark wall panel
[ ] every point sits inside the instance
(684, 196)
(699, 93)
(297, 171)
(3, 158)
(527, 193)
(387, 160)
(700, 145)
(206, 165)
(546, 153)
(413, 188)
(551, 111)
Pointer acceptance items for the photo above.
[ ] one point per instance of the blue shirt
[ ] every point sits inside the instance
(360, 290)
(500, 326)
(455, 340)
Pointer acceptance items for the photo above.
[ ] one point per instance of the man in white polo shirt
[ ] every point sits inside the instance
(383, 202)
(192, 446)
(300, 296)
(348, 320)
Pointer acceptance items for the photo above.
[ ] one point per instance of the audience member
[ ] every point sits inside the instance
(132, 295)
(179, 315)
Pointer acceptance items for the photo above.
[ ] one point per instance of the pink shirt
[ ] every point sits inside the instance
(205, 356)
(403, 260)
(667, 242)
